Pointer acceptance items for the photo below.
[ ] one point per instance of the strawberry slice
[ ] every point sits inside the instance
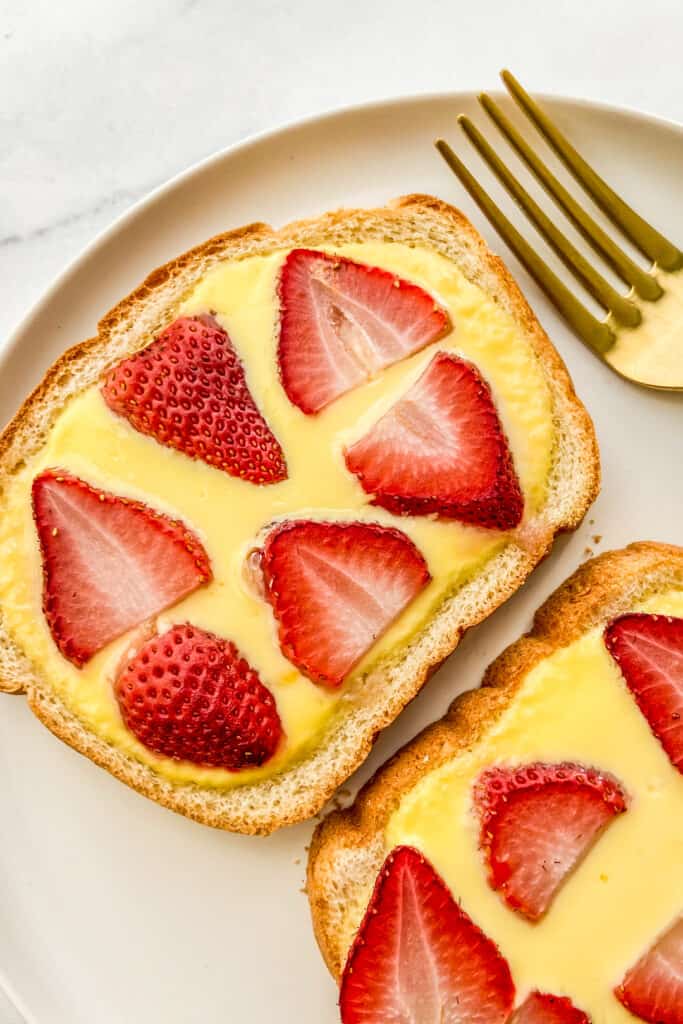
(108, 563)
(537, 822)
(653, 989)
(335, 588)
(188, 391)
(649, 652)
(442, 450)
(189, 695)
(418, 957)
(342, 322)
(541, 1008)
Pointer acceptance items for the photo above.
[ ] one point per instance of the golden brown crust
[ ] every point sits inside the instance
(83, 350)
(600, 589)
(546, 351)
(301, 790)
(215, 246)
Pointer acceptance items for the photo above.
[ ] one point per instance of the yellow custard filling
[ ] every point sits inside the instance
(229, 514)
(652, 352)
(572, 706)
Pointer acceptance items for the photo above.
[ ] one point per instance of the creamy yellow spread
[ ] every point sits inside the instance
(230, 514)
(652, 352)
(574, 706)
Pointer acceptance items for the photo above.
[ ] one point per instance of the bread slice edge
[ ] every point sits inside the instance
(347, 849)
(300, 791)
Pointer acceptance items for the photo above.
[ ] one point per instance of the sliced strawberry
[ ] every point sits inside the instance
(189, 695)
(541, 1008)
(653, 989)
(537, 822)
(335, 588)
(442, 450)
(342, 322)
(649, 652)
(188, 391)
(418, 958)
(108, 563)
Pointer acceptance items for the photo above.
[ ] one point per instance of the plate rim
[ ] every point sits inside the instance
(99, 239)
(255, 138)
(15, 1003)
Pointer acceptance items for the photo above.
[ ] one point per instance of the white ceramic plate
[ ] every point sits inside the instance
(115, 911)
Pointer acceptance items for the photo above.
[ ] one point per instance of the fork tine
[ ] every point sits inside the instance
(643, 283)
(624, 312)
(594, 333)
(650, 242)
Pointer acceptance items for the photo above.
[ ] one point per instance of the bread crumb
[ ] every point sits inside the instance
(596, 538)
(297, 860)
(588, 552)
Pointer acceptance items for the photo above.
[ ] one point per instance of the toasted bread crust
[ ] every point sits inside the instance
(600, 589)
(300, 791)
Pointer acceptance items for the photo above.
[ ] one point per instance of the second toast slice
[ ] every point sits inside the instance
(535, 830)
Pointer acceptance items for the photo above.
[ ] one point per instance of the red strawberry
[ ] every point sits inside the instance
(653, 989)
(189, 695)
(418, 957)
(335, 588)
(442, 450)
(649, 651)
(188, 391)
(537, 822)
(541, 1008)
(342, 322)
(108, 563)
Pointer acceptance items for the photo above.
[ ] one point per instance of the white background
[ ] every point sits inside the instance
(100, 102)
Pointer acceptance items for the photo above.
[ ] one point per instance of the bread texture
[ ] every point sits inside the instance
(302, 789)
(348, 847)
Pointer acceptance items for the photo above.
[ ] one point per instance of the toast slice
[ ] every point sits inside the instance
(299, 791)
(350, 846)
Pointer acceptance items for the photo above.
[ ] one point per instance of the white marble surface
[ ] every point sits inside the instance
(99, 103)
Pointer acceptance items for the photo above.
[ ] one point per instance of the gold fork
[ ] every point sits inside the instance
(641, 335)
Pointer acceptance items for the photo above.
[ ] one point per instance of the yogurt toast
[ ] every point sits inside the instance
(531, 839)
(225, 561)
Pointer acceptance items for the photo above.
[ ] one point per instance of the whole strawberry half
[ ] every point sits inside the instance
(187, 390)
(541, 1008)
(189, 695)
(335, 588)
(537, 822)
(341, 322)
(649, 652)
(441, 450)
(653, 989)
(419, 958)
(108, 563)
